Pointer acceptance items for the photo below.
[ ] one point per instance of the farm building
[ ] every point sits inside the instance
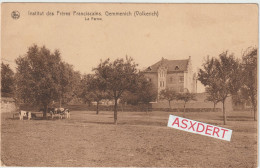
(173, 74)
(8, 105)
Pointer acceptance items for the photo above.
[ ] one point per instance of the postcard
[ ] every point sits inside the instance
(129, 84)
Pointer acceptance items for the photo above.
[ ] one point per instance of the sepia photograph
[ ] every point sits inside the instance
(129, 85)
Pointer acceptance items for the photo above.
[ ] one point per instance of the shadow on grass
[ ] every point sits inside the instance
(123, 122)
(236, 118)
(37, 118)
(99, 122)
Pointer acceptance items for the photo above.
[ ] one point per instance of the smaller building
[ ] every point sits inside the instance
(8, 105)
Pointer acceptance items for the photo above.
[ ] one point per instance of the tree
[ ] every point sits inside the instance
(69, 82)
(129, 98)
(207, 76)
(186, 97)
(169, 95)
(7, 80)
(37, 78)
(229, 75)
(118, 76)
(97, 89)
(145, 92)
(223, 75)
(249, 73)
(85, 94)
(213, 95)
(208, 72)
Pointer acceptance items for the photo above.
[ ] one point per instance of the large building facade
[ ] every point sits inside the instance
(172, 74)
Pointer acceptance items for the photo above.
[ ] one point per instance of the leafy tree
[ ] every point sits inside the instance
(7, 80)
(129, 98)
(143, 92)
(229, 78)
(207, 76)
(223, 76)
(213, 95)
(97, 90)
(186, 97)
(208, 72)
(85, 94)
(249, 73)
(38, 77)
(146, 92)
(69, 83)
(169, 95)
(118, 76)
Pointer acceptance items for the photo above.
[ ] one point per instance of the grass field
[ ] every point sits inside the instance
(139, 140)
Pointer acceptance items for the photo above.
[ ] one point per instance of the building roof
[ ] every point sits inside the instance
(171, 65)
(9, 99)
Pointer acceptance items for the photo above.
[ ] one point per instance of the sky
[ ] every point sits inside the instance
(179, 31)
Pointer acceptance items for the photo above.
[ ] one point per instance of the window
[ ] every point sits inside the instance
(177, 67)
(181, 79)
(161, 83)
(171, 79)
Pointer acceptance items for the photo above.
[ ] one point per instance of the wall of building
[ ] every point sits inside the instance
(162, 78)
(175, 81)
(8, 106)
(189, 80)
(199, 103)
(153, 77)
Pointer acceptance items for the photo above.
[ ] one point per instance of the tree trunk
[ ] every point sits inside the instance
(184, 109)
(60, 102)
(97, 108)
(147, 108)
(45, 111)
(254, 104)
(255, 111)
(214, 108)
(115, 112)
(224, 113)
(122, 109)
(170, 104)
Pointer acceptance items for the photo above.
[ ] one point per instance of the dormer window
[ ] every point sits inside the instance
(149, 68)
(177, 67)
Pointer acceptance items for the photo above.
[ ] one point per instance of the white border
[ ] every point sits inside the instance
(140, 1)
(165, 1)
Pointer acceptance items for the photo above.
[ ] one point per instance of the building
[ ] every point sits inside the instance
(172, 74)
(8, 105)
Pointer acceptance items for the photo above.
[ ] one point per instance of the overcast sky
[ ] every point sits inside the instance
(180, 31)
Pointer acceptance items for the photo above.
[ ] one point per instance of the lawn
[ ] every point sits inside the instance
(139, 140)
